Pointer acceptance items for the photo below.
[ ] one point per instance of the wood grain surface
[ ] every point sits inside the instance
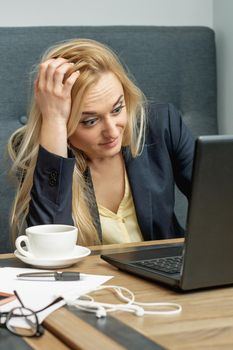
(206, 320)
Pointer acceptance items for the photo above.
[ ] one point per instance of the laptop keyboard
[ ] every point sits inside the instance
(168, 264)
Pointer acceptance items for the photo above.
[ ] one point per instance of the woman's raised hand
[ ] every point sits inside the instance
(53, 94)
(53, 97)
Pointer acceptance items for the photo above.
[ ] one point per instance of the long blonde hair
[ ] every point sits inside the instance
(92, 59)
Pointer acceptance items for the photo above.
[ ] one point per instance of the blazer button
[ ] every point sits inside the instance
(53, 178)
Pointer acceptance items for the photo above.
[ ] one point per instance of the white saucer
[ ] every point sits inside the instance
(78, 253)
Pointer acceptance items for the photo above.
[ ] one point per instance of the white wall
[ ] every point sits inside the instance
(223, 25)
(105, 12)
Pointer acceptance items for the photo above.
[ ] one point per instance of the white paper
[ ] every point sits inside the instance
(37, 294)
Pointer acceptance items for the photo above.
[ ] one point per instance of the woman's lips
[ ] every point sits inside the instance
(110, 144)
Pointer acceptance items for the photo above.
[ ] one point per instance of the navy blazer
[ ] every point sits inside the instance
(166, 159)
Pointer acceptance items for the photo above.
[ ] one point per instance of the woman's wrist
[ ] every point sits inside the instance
(53, 136)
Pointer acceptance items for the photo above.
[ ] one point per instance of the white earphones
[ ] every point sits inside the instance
(87, 303)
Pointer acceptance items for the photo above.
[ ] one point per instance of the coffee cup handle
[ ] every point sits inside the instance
(22, 251)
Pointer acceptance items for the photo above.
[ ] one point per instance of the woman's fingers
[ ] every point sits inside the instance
(42, 74)
(70, 81)
(51, 70)
(48, 70)
(59, 74)
(53, 89)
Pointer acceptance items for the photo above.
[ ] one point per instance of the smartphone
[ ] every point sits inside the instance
(6, 298)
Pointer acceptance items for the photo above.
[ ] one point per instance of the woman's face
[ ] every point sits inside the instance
(104, 117)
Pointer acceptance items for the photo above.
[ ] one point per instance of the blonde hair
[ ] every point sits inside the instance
(92, 59)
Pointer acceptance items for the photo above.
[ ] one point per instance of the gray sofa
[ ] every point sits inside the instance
(170, 64)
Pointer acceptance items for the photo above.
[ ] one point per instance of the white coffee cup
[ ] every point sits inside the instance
(48, 241)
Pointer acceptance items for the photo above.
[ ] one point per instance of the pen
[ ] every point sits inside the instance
(51, 276)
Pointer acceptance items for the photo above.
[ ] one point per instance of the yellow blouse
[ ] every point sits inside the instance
(120, 227)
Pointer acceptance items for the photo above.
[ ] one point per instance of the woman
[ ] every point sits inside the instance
(89, 156)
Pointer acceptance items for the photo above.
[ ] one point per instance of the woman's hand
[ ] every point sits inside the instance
(53, 97)
(53, 94)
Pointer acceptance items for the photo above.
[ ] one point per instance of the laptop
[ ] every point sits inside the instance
(205, 259)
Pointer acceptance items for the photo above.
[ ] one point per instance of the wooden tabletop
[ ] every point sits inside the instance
(206, 320)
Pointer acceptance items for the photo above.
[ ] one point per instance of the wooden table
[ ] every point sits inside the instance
(206, 321)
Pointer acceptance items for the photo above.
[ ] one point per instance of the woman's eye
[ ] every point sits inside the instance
(118, 109)
(89, 122)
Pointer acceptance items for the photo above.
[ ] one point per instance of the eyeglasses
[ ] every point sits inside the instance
(10, 320)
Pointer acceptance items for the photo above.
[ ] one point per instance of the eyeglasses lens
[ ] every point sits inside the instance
(19, 315)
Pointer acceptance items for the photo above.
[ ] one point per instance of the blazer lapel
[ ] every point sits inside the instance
(139, 180)
(92, 203)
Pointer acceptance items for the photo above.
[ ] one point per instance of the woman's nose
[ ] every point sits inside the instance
(110, 129)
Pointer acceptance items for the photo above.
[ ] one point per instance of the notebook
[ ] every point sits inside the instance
(205, 259)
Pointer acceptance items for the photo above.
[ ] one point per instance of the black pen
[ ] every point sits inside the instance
(51, 276)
